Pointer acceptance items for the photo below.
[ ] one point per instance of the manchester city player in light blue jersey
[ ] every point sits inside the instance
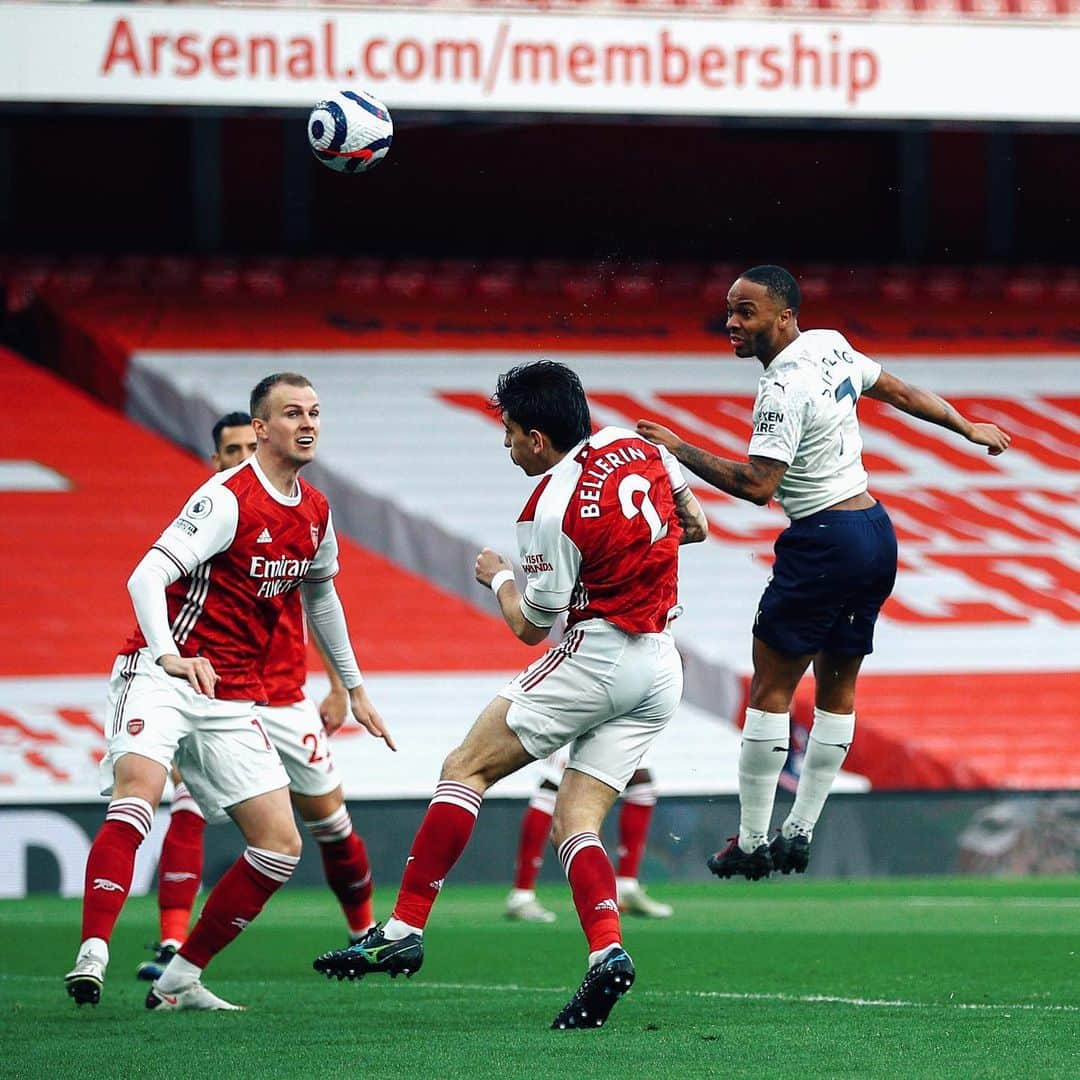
(835, 563)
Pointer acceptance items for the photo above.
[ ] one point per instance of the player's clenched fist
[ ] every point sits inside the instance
(197, 670)
(488, 564)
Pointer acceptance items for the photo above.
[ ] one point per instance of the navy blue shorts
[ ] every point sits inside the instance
(833, 571)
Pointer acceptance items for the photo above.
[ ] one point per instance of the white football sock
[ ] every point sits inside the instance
(764, 748)
(179, 974)
(826, 748)
(602, 954)
(395, 929)
(96, 947)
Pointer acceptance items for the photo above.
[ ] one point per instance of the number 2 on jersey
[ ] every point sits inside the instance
(628, 488)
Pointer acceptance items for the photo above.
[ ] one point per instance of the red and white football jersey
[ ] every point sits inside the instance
(242, 548)
(284, 669)
(599, 538)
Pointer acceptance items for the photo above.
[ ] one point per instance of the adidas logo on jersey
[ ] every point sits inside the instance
(265, 537)
(177, 876)
(606, 905)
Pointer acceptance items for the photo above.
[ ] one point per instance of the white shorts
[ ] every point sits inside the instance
(220, 747)
(605, 692)
(299, 737)
(554, 765)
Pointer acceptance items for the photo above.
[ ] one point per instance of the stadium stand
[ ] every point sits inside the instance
(985, 617)
(88, 492)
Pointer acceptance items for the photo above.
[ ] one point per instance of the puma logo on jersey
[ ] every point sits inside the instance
(106, 885)
(265, 537)
(607, 905)
(177, 875)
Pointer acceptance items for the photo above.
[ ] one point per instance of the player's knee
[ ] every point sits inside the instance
(290, 844)
(282, 838)
(568, 822)
(462, 766)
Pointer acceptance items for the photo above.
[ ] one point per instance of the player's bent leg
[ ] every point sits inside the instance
(521, 904)
(179, 874)
(635, 815)
(268, 862)
(580, 809)
(489, 752)
(344, 856)
(827, 746)
(137, 786)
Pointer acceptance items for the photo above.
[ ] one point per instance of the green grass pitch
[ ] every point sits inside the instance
(934, 978)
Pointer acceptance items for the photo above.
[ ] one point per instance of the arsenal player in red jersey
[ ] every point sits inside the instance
(598, 540)
(299, 730)
(207, 597)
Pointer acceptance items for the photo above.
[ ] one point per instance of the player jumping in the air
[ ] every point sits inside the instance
(835, 564)
(207, 597)
(598, 539)
(298, 728)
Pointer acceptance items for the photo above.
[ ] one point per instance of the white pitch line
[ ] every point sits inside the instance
(719, 995)
(1050, 902)
(797, 999)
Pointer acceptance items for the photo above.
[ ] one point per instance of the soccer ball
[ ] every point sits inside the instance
(350, 131)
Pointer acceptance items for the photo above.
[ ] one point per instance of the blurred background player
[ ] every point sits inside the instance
(835, 563)
(599, 540)
(298, 730)
(207, 596)
(636, 805)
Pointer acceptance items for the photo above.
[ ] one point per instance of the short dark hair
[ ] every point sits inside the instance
(232, 419)
(264, 386)
(545, 396)
(779, 284)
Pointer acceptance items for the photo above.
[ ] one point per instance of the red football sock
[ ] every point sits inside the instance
(179, 872)
(592, 882)
(346, 864)
(635, 814)
(439, 842)
(235, 900)
(535, 830)
(348, 873)
(111, 864)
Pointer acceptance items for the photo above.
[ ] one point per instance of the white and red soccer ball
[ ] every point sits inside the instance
(350, 131)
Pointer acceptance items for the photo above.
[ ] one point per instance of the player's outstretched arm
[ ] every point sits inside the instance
(691, 517)
(755, 480)
(326, 617)
(489, 564)
(926, 405)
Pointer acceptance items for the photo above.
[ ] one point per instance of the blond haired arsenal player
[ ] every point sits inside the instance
(184, 688)
(298, 728)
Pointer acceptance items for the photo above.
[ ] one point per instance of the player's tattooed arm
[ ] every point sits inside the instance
(928, 406)
(691, 516)
(755, 480)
